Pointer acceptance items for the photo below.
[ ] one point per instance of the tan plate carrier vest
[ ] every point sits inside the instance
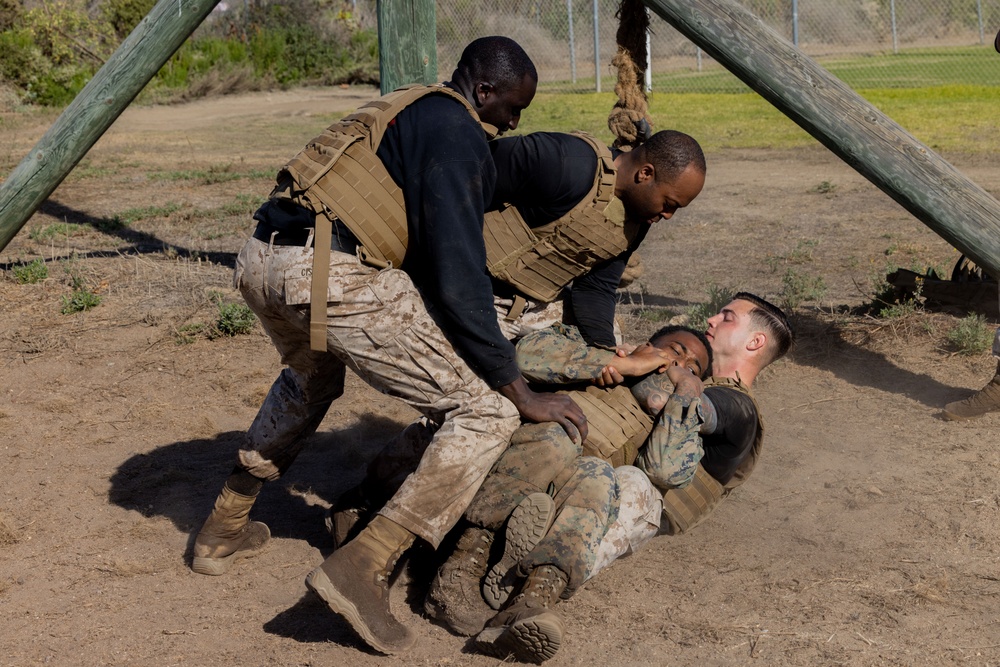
(618, 427)
(540, 262)
(339, 175)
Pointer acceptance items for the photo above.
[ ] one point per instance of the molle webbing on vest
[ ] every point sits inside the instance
(540, 262)
(339, 175)
(685, 508)
(617, 423)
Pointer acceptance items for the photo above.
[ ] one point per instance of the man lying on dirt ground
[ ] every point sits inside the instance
(704, 442)
(560, 186)
(375, 191)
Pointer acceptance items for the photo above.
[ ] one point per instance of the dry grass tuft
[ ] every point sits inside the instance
(8, 534)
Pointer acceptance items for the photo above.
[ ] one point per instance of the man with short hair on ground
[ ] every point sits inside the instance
(706, 442)
(370, 254)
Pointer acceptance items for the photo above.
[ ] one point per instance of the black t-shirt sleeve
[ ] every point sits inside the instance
(593, 298)
(730, 444)
(438, 155)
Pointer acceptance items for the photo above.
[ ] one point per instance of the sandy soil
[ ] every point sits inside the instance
(867, 536)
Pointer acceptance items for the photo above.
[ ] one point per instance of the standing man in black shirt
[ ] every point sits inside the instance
(370, 254)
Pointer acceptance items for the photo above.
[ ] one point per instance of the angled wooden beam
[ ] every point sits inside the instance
(925, 184)
(92, 112)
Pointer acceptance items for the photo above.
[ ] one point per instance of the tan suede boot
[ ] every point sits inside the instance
(454, 596)
(354, 582)
(528, 629)
(228, 534)
(526, 527)
(985, 400)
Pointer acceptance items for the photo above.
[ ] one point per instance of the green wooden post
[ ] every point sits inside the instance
(407, 43)
(97, 106)
(926, 185)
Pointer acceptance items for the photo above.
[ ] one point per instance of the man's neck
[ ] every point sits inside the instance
(744, 372)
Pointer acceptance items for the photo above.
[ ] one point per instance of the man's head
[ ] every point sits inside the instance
(747, 335)
(498, 78)
(660, 176)
(687, 347)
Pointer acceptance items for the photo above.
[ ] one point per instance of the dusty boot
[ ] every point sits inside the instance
(526, 527)
(354, 582)
(528, 629)
(985, 400)
(454, 597)
(228, 534)
(348, 516)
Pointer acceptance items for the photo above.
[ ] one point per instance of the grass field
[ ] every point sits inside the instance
(957, 118)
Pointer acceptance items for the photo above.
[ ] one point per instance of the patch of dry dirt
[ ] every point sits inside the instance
(867, 536)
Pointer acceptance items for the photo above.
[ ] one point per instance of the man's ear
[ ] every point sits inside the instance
(645, 173)
(483, 92)
(757, 342)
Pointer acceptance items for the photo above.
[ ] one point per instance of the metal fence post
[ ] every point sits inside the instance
(572, 46)
(979, 15)
(795, 22)
(597, 50)
(892, 17)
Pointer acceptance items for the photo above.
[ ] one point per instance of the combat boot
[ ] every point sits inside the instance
(228, 534)
(526, 527)
(528, 629)
(348, 516)
(354, 582)
(454, 597)
(985, 400)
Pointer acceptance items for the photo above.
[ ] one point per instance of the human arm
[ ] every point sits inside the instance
(560, 355)
(671, 453)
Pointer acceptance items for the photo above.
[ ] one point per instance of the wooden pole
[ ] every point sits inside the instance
(407, 43)
(926, 185)
(92, 112)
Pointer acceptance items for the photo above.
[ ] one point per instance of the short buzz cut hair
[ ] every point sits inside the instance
(671, 152)
(773, 321)
(499, 61)
(674, 328)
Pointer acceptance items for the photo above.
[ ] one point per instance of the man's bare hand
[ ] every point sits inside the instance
(539, 407)
(643, 360)
(686, 384)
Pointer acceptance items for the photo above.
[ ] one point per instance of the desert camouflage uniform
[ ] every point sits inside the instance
(379, 326)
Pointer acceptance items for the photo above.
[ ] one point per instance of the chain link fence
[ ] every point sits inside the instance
(867, 43)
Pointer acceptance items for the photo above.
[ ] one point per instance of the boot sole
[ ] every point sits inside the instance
(526, 527)
(215, 567)
(320, 584)
(532, 640)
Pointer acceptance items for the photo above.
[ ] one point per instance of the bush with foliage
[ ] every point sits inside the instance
(50, 52)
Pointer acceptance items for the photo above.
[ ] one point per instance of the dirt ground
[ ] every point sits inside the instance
(868, 534)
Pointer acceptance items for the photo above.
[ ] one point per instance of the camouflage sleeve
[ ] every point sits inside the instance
(672, 451)
(560, 355)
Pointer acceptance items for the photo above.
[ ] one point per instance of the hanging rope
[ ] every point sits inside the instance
(629, 120)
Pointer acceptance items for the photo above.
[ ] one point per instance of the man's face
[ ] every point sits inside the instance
(729, 329)
(648, 200)
(503, 110)
(685, 349)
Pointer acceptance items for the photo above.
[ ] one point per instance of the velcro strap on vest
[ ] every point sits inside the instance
(685, 508)
(616, 423)
(320, 284)
(517, 308)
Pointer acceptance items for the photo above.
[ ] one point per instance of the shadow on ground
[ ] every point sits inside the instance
(180, 481)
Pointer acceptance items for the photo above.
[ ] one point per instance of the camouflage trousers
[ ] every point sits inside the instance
(542, 458)
(379, 326)
(640, 510)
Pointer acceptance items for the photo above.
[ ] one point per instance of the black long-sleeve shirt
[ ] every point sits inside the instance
(438, 155)
(546, 175)
(730, 442)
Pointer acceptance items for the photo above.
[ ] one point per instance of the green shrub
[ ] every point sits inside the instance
(798, 288)
(234, 319)
(718, 297)
(31, 272)
(80, 300)
(124, 15)
(972, 335)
